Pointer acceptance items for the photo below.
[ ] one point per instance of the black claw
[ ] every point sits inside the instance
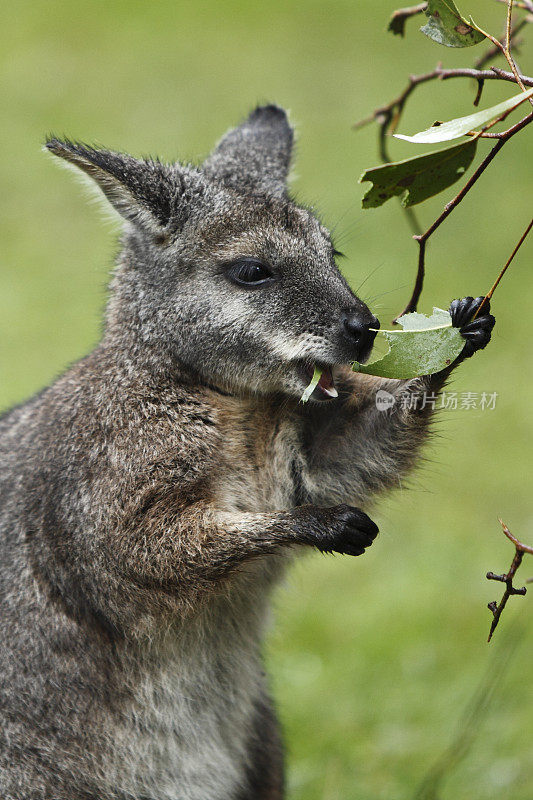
(349, 531)
(462, 311)
(486, 322)
(476, 332)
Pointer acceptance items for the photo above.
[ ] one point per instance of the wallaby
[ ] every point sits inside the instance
(151, 498)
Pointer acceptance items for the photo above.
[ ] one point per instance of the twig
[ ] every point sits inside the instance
(400, 17)
(506, 49)
(508, 26)
(495, 51)
(449, 207)
(480, 85)
(503, 134)
(526, 5)
(507, 578)
(385, 114)
(504, 269)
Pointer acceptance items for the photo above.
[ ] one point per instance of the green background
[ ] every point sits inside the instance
(373, 660)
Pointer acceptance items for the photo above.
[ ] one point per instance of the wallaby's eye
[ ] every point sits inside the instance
(249, 272)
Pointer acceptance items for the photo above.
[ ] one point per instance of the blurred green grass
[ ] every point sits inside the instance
(374, 659)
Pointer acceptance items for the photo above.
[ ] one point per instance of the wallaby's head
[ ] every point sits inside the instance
(222, 270)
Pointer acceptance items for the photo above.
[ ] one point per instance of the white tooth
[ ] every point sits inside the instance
(331, 392)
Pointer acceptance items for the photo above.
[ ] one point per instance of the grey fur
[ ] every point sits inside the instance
(150, 497)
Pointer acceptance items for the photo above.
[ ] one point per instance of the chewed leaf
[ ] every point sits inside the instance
(447, 26)
(419, 322)
(416, 179)
(317, 374)
(455, 128)
(424, 346)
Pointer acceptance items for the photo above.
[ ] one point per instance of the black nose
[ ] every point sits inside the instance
(360, 329)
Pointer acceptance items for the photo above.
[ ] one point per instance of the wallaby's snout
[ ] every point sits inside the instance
(359, 329)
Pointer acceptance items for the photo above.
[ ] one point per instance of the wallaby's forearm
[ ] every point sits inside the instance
(203, 546)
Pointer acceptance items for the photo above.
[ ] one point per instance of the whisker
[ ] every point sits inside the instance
(382, 294)
(373, 272)
(349, 209)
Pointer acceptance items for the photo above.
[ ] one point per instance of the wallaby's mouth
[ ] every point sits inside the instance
(325, 388)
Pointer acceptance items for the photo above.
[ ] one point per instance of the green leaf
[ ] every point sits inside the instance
(446, 26)
(455, 128)
(317, 374)
(416, 179)
(424, 346)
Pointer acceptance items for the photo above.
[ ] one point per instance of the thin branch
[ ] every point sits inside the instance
(507, 578)
(524, 548)
(504, 134)
(504, 269)
(384, 114)
(412, 305)
(480, 85)
(505, 49)
(525, 5)
(508, 26)
(400, 17)
(496, 51)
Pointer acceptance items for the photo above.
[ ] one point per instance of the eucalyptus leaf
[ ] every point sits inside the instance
(447, 26)
(455, 128)
(416, 179)
(317, 374)
(424, 346)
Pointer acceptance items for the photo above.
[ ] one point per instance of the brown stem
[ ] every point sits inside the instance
(526, 5)
(504, 134)
(496, 51)
(384, 114)
(419, 281)
(505, 49)
(480, 85)
(504, 270)
(508, 26)
(524, 548)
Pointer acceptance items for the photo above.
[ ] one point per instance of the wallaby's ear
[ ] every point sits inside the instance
(143, 192)
(255, 156)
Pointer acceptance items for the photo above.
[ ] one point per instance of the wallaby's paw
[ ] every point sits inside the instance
(476, 333)
(346, 530)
